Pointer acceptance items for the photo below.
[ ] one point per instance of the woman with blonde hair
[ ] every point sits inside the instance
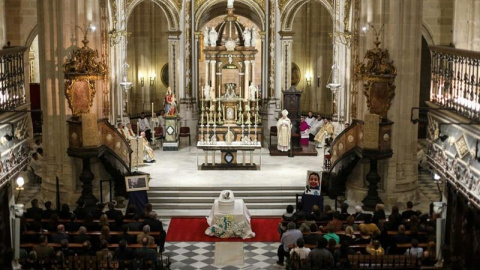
(429, 257)
(103, 221)
(105, 234)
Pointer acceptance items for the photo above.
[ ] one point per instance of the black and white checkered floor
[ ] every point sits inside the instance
(200, 255)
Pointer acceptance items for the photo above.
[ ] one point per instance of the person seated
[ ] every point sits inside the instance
(154, 121)
(145, 253)
(320, 257)
(415, 250)
(123, 253)
(34, 210)
(130, 239)
(335, 223)
(331, 234)
(344, 211)
(65, 250)
(131, 211)
(315, 127)
(65, 212)
(86, 249)
(48, 212)
(359, 215)
(161, 121)
(136, 225)
(299, 215)
(350, 228)
(312, 237)
(371, 227)
(118, 224)
(316, 213)
(290, 237)
(326, 132)
(149, 156)
(104, 254)
(375, 248)
(60, 234)
(429, 258)
(97, 213)
(310, 119)
(121, 130)
(145, 234)
(379, 214)
(43, 250)
(81, 236)
(80, 212)
(112, 213)
(409, 212)
(130, 134)
(365, 237)
(144, 126)
(300, 249)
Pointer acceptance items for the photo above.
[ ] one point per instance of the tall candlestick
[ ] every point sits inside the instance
(152, 109)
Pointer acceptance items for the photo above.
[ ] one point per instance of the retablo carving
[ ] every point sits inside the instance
(378, 74)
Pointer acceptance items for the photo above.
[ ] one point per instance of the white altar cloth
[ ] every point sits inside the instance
(227, 225)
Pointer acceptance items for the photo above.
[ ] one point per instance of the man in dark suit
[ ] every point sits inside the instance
(47, 213)
(99, 211)
(407, 214)
(130, 239)
(112, 213)
(34, 210)
(80, 212)
(145, 253)
(81, 236)
(156, 226)
(135, 225)
(60, 234)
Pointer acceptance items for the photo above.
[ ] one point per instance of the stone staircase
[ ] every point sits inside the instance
(198, 201)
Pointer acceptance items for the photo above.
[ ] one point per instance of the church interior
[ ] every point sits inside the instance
(207, 134)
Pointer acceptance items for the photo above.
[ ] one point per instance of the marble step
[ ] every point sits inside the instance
(214, 194)
(168, 213)
(230, 187)
(207, 199)
(209, 205)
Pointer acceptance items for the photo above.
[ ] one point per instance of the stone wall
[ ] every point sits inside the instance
(438, 21)
(21, 19)
(466, 33)
(3, 31)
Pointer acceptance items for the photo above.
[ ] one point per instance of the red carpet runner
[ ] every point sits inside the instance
(193, 230)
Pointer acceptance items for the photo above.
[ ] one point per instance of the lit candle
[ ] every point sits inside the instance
(152, 109)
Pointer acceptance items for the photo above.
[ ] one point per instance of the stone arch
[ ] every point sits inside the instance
(168, 8)
(31, 37)
(208, 10)
(427, 34)
(291, 9)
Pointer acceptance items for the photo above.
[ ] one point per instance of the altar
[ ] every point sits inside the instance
(229, 158)
(229, 218)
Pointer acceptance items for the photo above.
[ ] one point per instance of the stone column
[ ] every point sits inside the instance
(403, 22)
(58, 34)
(174, 62)
(246, 78)
(466, 34)
(286, 39)
(3, 26)
(213, 71)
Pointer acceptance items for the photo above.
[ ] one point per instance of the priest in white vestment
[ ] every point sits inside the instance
(284, 127)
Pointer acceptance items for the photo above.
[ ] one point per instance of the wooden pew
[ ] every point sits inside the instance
(365, 261)
(94, 233)
(63, 221)
(78, 245)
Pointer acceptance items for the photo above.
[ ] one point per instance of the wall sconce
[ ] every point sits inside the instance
(308, 78)
(152, 79)
(20, 182)
(142, 79)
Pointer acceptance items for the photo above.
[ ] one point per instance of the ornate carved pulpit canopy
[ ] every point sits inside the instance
(378, 74)
(81, 71)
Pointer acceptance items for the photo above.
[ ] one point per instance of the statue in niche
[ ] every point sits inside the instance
(212, 93)
(230, 92)
(205, 37)
(253, 42)
(213, 36)
(206, 92)
(252, 92)
(247, 37)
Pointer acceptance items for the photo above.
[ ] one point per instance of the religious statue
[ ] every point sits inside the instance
(173, 106)
(253, 42)
(206, 92)
(230, 92)
(168, 100)
(212, 93)
(252, 91)
(230, 3)
(247, 37)
(213, 36)
(284, 128)
(326, 130)
(205, 37)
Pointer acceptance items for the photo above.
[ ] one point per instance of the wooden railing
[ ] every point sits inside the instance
(115, 142)
(455, 82)
(12, 78)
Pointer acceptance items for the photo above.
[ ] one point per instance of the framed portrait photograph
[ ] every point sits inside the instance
(313, 185)
(136, 182)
